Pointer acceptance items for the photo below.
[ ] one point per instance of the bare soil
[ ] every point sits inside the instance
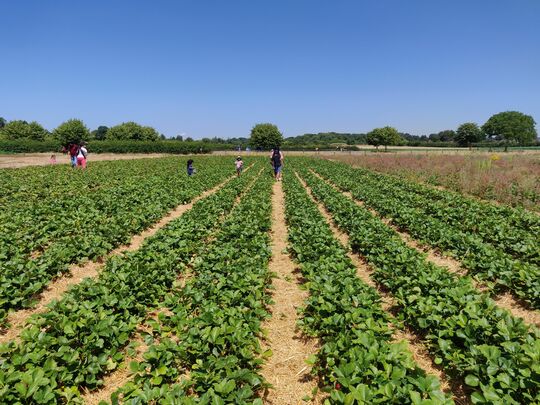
(43, 159)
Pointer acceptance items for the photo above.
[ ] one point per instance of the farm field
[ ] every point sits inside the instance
(132, 283)
(509, 178)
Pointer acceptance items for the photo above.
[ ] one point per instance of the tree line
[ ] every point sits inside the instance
(509, 128)
(74, 130)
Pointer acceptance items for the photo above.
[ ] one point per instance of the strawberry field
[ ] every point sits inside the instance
(183, 317)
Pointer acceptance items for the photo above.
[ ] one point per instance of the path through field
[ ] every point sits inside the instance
(286, 369)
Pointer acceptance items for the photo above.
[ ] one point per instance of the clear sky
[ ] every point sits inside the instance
(207, 68)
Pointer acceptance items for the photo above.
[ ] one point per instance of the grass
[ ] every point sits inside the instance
(509, 178)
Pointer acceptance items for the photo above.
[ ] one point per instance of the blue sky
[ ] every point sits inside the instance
(215, 68)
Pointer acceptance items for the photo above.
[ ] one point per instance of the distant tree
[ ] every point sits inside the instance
(100, 133)
(265, 136)
(3, 122)
(384, 136)
(132, 131)
(447, 135)
(189, 139)
(468, 133)
(512, 127)
(162, 137)
(374, 138)
(19, 129)
(72, 130)
(179, 138)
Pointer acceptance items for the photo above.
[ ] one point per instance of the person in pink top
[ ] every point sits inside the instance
(81, 156)
(239, 166)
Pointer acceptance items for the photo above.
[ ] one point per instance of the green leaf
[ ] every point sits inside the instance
(471, 380)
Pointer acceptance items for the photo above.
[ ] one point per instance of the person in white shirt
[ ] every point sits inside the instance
(81, 156)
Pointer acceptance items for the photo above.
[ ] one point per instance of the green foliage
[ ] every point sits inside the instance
(504, 252)
(447, 135)
(18, 129)
(91, 201)
(511, 126)
(132, 131)
(28, 146)
(217, 316)
(84, 334)
(495, 353)
(149, 147)
(265, 136)
(72, 130)
(468, 133)
(356, 360)
(384, 136)
(100, 133)
(3, 122)
(325, 139)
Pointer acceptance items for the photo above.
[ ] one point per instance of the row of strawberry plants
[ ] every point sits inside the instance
(216, 318)
(101, 221)
(82, 336)
(47, 209)
(491, 224)
(481, 259)
(357, 360)
(496, 354)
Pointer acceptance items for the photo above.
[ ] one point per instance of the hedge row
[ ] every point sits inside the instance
(29, 146)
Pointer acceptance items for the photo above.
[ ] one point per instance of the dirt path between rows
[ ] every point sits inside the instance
(286, 369)
(77, 273)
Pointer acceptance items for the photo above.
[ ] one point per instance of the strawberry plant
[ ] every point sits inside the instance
(495, 353)
(82, 336)
(484, 260)
(216, 317)
(97, 211)
(357, 360)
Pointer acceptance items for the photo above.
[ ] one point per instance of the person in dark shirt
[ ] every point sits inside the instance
(73, 150)
(190, 168)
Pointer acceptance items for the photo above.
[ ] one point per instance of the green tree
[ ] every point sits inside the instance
(72, 130)
(468, 133)
(265, 136)
(132, 131)
(100, 133)
(19, 129)
(384, 136)
(3, 122)
(512, 127)
(447, 135)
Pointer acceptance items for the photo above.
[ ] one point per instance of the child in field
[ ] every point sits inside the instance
(239, 166)
(190, 168)
(81, 156)
(52, 160)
